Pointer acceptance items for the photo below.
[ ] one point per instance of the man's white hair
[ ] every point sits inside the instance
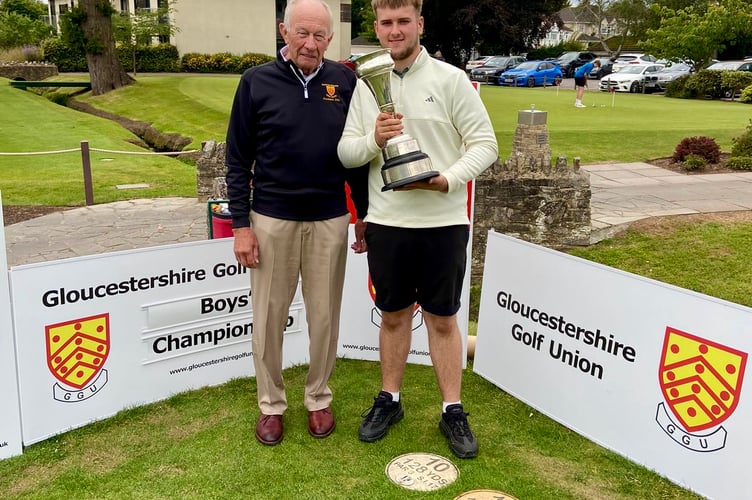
(292, 3)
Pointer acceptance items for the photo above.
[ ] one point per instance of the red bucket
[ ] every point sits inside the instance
(221, 225)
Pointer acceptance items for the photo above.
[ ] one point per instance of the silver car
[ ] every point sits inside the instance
(658, 81)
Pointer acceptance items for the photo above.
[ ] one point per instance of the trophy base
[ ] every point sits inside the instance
(406, 169)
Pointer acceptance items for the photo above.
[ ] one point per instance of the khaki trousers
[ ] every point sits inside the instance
(315, 252)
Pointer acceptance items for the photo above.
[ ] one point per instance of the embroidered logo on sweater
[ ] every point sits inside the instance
(331, 92)
(430, 99)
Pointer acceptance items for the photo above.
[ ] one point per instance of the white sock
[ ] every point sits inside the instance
(395, 395)
(444, 407)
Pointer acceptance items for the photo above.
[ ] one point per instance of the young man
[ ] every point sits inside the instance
(580, 80)
(417, 235)
(286, 120)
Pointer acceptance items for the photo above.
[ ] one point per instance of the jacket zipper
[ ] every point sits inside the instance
(302, 82)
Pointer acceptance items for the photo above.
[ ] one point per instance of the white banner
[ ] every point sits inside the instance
(652, 371)
(10, 419)
(102, 333)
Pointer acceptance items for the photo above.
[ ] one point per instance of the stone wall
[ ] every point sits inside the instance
(210, 172)
(29, 72)
(530, 198)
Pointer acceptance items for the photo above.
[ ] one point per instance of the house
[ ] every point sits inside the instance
(235, 26)
(585, 19)
(581, 23)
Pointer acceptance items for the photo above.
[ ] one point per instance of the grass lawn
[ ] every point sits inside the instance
(637, 128)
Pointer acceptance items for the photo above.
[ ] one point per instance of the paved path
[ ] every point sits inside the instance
(625, 192)
(621, 194)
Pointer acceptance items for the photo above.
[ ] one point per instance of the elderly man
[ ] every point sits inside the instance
(282, 140)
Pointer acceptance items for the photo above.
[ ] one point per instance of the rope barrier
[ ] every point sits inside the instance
(42, 152)
(109, 151)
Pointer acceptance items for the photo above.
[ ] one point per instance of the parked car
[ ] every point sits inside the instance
(532, 73)
(633, 58)
(494, 67)
(476, 62)
(745, 65)
(349, 61)
(570, 61)
(605, 69)
(658, 81)
(630, 78)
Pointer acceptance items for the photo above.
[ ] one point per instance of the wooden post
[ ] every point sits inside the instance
(86, 162)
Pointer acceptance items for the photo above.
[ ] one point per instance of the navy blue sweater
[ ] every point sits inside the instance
(283, 136)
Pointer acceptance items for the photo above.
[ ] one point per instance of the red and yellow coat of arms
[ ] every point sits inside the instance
(701, 380)
(77, 349)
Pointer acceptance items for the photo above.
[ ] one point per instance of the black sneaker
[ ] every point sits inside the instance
(454, 426)
(379, 417)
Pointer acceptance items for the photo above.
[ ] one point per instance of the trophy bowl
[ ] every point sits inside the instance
(404, 162)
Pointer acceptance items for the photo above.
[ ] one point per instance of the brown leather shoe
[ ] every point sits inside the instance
(321, 423)
(269, 429)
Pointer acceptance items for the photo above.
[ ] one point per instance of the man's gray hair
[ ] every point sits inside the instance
(292, 3)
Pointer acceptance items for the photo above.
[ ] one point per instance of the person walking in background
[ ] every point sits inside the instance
(286, 119)
(581, 78)
(417, 235)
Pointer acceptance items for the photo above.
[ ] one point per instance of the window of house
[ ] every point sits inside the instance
(345, 13)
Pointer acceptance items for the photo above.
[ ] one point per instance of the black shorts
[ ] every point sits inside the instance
(424, 265)
(580, 81)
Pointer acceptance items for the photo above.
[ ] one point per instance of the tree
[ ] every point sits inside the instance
(361, 15)
(89, 25)
(491, 26)
(22, 23)
(698, 34)
(138, 29)
(28, 8)
(632, 16)
(17, 30)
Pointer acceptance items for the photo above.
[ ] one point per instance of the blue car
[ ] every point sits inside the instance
(532, 73)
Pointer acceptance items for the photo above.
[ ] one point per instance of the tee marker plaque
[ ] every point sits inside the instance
(422, 471)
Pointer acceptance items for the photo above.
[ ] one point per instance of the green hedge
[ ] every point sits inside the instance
(712, 84)
(155, 59)
(223, 62)
(162, 58)
(150, 58)
(65, 58)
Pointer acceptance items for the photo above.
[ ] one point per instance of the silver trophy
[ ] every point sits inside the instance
(404, 162)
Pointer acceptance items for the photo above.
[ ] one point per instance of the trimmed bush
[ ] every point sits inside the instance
(693, 162)
(746, 95)
(706, 83)
(680, 88)
(704, 147)
(742, 145)
(740, 163)
(162, 58)
(733, 82)
(63, 56)
(223, 62)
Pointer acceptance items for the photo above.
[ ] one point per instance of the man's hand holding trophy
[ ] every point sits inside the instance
(404, 162)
